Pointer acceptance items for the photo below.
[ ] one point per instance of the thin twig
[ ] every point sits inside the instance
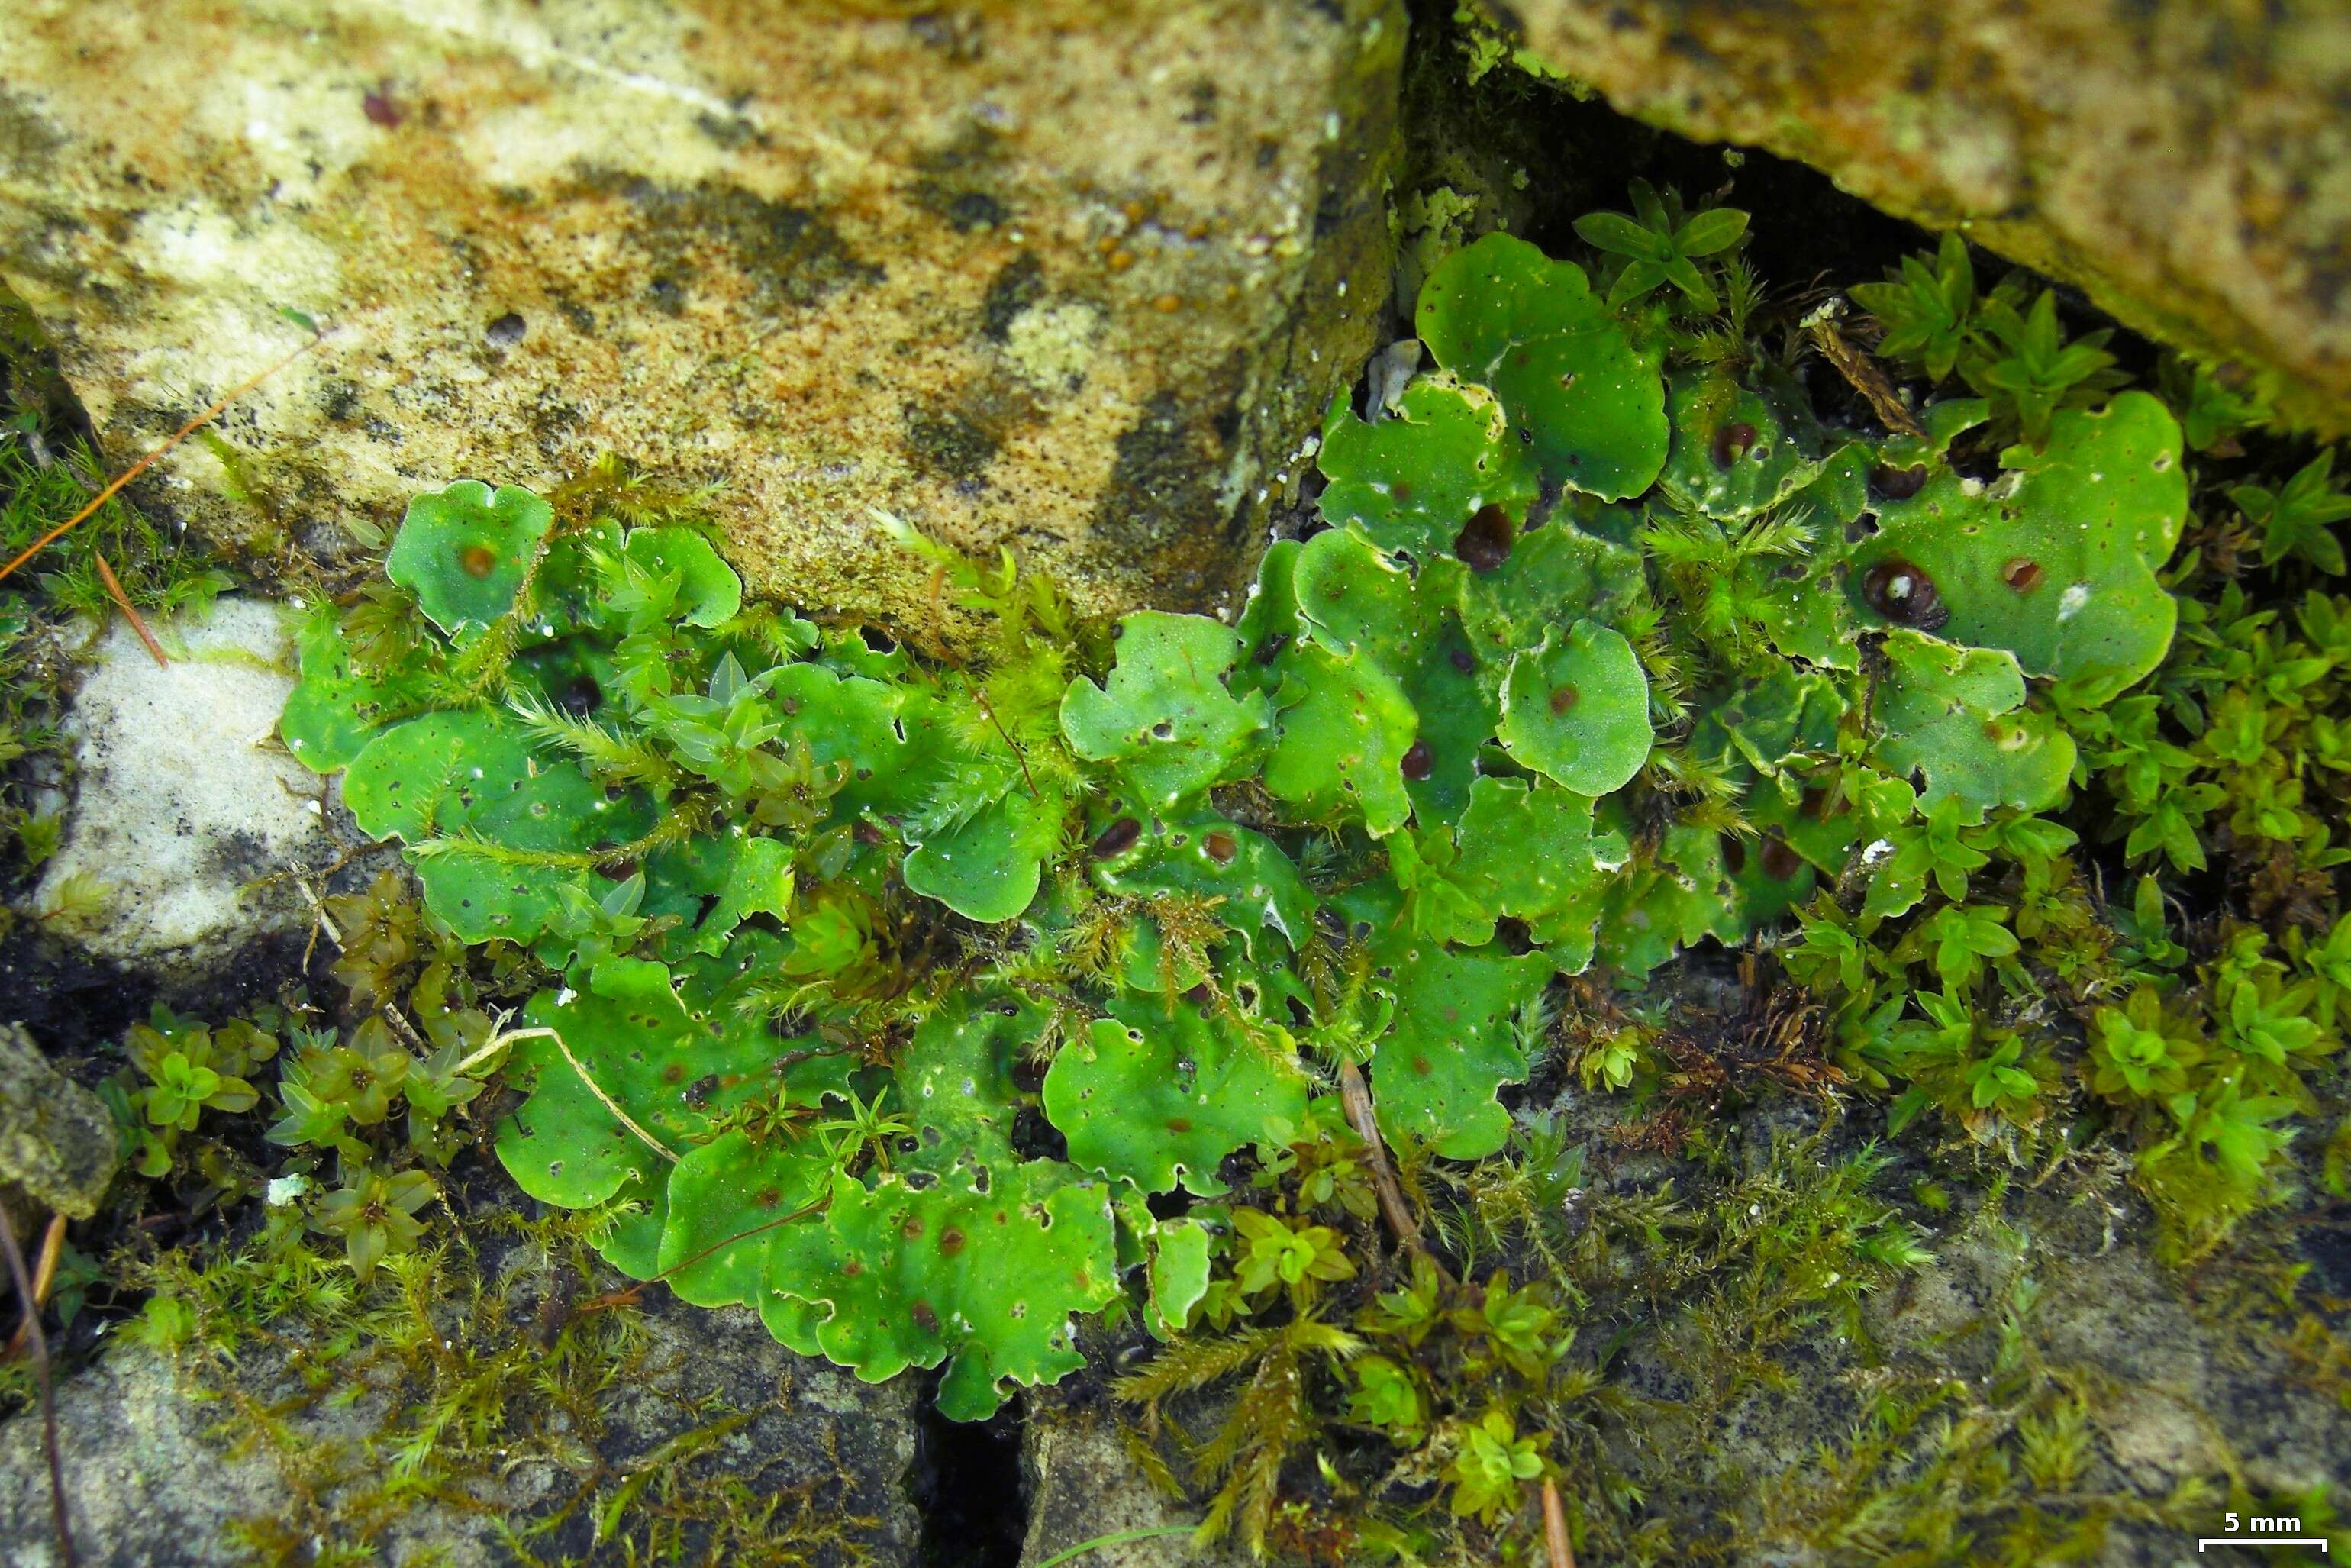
(610, 1103)
(140, 466)
(326, 920)
(130, 612)
(1355, 1095)
(1555, 1542)
(803, 1212)
(49, 1395)
(45, 1275)
(1860, 372)
(402, 1028)
(981, 697)
(498, 1041)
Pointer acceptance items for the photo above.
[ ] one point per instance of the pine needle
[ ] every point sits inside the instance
(142, 466)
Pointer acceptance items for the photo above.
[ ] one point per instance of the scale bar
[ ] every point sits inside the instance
(2204, 1540)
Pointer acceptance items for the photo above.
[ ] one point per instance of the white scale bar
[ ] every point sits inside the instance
(2204, 1540)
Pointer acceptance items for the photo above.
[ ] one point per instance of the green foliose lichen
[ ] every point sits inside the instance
(1609, 647)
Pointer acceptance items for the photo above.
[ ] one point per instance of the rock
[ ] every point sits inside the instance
(1083, 1485)
(144, 1482)
(2188, 164)
(179, 804)
(1072, 278)
(153, 1478)
(58, 1141)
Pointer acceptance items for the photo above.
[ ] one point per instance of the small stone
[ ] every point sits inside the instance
(181, 807)
(57, 1139)
(1085, 1486)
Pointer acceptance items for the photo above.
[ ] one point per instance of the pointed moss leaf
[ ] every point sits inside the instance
(987, 868)
(336, 710)
(1737, 451)
(1411, 482)
(758, 882)
(671, 1073)
(2058, 564)
(1591, 403)
(955, 1083)
(708, 592)
(1178, 1276)
(1208, 856)
(1555, 572)
(729, 1199)
(1166, 720)
(1452, 1046)
(1158, 1099)
(1578, 709)
(1345, 725)
(465, 551)
(1956, 717)
(983, 1275)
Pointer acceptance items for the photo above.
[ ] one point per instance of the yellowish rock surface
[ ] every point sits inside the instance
(2188, 163)
(1072, 278)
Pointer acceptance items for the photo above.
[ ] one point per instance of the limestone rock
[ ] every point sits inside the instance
(180, 804)
(2188, 164)
(58, 1141)
(1074, 278)
(1083, 1485)
(152, 1478)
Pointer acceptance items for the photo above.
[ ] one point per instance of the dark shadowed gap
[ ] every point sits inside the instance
(968, 1487)
(1579, 154)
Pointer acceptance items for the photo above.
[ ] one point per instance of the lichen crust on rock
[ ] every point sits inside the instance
(1081, 290)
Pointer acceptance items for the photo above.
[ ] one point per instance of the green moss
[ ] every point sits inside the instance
(49, 472)
(381, 1416)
